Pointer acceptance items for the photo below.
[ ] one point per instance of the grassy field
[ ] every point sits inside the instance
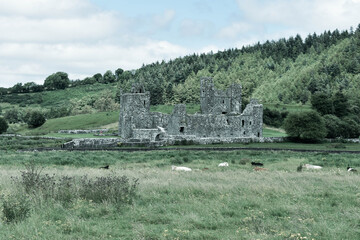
(288, 107)
(283, 145)
(217, 203)
(84, 121)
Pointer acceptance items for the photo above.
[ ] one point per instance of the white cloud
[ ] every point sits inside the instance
(303, 15)
(93, 27)
(41, 37)
(34, 62)
(45, 8)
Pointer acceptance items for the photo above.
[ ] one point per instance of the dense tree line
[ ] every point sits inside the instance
(287, 71)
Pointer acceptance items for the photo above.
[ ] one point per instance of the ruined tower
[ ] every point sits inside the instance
(215, 101)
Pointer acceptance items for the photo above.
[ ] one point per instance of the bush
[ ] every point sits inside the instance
(349, 128)
(274, 117)
(322, 103)
(113, 189)
(13, 116)
(305, 126)
(333, 126)
(15, 208)
(3, 125)
(35, 119)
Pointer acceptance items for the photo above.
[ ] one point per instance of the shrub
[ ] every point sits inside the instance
(35, 119)
(15, 208)
(13, 116)
(305, 126)
(111, 188)
(333, 126)
(114, 189)
(274, 117)
(3, 125)
(322, 103)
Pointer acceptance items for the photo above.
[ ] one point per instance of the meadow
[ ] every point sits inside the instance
(235, 202)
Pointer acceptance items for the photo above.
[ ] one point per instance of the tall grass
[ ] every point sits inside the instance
(216, 203)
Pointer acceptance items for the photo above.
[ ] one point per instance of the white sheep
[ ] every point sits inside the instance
(309, 166)
(185, 169)
(223, 164)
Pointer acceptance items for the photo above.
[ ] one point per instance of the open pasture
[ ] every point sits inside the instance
(210, 202)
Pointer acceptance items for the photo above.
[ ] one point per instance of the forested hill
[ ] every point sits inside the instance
(288, 71)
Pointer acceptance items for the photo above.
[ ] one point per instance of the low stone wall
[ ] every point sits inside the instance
(202, 141)
(83, 131)
(91, 143)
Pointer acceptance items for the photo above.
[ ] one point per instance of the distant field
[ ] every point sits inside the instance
(84, 121)
(273, 132)
(213, 203)
(288, 107)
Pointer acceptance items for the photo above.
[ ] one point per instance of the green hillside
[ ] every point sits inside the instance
(283, 74)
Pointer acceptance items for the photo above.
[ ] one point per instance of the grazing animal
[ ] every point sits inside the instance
(259, 169)
(223, 164)
(105, 167)
(185, 169)
(309, 166)
(350, 169)
(257, 164)
(204, 169)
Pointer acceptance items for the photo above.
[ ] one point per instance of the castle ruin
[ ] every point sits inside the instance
(221, 118)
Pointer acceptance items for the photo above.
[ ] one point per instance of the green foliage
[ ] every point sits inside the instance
(13, 115)
(16, 143)
(109, 77)
(115, 189)
(98, 77)
(34, 119)
(322, 103)
(333, 126)
(15, 207)
(57, 112)
(305, 126)
(3, 125)
(106, 102)
(273, 117)
(341, 104)
(59, 80)
(119, 190)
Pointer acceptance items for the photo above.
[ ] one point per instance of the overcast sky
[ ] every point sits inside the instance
(84, 37)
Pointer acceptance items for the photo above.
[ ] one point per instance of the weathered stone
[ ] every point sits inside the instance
(220, 119)
(80, 131)
(91, 143)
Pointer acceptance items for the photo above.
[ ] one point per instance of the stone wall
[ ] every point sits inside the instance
(221, 116)
(83, 131)
(91, 143)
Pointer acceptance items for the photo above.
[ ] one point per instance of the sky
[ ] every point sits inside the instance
(85, 37)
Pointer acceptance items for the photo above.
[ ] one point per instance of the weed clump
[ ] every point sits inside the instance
(33, 188)
(15, 207)
(118, 190)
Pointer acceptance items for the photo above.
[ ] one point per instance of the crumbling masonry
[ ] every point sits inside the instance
(220, 120)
